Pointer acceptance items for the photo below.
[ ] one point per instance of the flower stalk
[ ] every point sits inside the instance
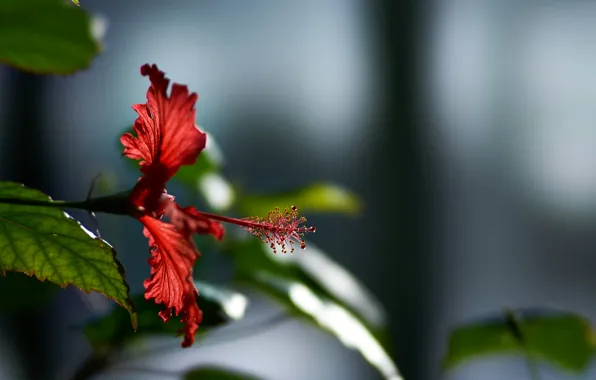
(118, 204)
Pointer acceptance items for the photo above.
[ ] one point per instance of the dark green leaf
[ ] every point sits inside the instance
(313, 286)
(561, 339)
(218, 305)
(48, 243)
(318, 197)
(45, 36)
(215, 373)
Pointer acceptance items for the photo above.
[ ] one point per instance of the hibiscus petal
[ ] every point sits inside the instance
(167, 136)
(188, 220)
(146, 146)
(172, 259)
(191, 319)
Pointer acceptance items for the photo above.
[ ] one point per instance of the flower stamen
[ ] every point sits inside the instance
(278, 229)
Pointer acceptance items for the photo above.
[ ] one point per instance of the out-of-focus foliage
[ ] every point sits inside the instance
(315, 198)
(219, 306)
(559, 338)
(46, 36)
(216, 373)
(311, 286)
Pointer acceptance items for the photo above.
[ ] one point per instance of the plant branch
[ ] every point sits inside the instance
(113, 204)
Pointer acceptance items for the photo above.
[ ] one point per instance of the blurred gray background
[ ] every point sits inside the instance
(468, 128)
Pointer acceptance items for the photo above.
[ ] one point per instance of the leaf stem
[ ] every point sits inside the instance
(112, 204)
(48, 203)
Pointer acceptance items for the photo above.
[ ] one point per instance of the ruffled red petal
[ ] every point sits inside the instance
(192, 319)
(188, 220)
(167, 137)
(172, 260)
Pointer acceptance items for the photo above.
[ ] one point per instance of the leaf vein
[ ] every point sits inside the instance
(102, 277)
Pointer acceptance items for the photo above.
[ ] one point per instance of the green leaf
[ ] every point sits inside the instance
(311, 285)
(318, 197)
(559, 338)
(219, 306)
(45, 36)
(215, 373)
(48, 243)
(76, 2)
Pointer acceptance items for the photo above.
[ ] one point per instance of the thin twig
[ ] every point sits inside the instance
(118, 204)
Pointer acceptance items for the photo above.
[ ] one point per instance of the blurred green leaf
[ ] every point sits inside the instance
(46, 36)
(311, 285)
(219, 306)
(76, 2)
(21, 293)
(318, 197)
(204, 177)
(559, 338)
(48, 243)
(105, 183)
(330, 316)
(215, 373)
(209, 161)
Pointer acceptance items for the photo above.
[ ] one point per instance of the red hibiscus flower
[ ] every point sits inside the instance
(167, 138)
